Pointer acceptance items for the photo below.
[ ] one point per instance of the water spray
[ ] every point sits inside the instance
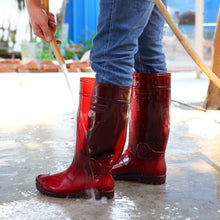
(57, 52)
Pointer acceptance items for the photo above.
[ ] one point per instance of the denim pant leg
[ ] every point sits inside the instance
(150, 57)
(120, 24)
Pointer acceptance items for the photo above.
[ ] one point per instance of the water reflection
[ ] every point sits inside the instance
(138, 201)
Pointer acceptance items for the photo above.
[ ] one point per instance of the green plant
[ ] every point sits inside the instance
(73, 51)
(70, 50)
(88, 40)
(44, 51)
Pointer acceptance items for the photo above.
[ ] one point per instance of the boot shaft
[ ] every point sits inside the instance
(108, 118)
(149, 124)
(85, 96)
(101, 125)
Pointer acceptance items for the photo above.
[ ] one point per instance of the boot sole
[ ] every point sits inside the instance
(85, 194)
(153, 180)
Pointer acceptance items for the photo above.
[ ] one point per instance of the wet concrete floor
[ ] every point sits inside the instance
(37, 135)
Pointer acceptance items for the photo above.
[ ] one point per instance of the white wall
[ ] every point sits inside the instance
(19, 19)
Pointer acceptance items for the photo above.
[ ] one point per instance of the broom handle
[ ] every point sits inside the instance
(45, 4)
(53, 43)
(212, 76)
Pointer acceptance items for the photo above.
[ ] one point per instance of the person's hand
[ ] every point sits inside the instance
(43, 24)
(52, 24)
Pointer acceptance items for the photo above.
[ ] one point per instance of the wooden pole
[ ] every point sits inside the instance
(45, 4)
(185, 44)
(213, 96)
(191, 106)
(53, 43)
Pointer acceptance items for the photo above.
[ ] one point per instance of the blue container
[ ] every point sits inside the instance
(82, 17)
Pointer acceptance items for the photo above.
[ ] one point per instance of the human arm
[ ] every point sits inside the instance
(42, 23)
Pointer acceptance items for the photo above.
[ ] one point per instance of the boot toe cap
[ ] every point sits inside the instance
(41, 179)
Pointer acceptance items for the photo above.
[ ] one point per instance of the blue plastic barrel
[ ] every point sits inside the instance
(82, 17)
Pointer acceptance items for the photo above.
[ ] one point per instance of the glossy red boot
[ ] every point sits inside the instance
(144, 160)
(101, 132)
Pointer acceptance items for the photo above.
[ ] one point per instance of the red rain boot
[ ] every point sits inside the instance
(144, 160)
(101, 132)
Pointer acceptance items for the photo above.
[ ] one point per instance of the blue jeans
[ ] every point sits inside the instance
(129, 35)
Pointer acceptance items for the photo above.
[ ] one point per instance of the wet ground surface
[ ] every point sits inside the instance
(37, 135)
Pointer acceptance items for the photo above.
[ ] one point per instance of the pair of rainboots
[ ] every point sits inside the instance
(101, 133)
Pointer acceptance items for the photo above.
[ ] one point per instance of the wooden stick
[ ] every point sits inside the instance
(45, 4)
(191, 106)
(53, 43)
(213, 95)
(185, 44)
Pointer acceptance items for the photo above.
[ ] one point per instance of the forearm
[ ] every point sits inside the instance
(41, 22)
(30, 3)
(32, 6)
